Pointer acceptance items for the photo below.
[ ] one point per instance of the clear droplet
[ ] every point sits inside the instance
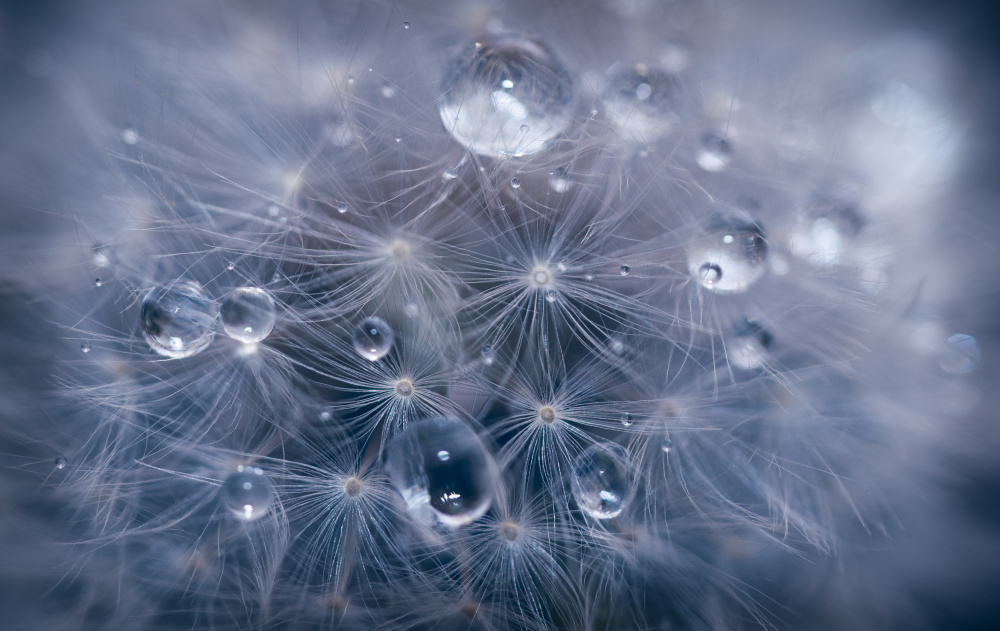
(325, 416)
(442, 470)
(642, 102)
(624, 270)
(489, 354)
(406, 25)
(373, 338)
(247, 493)
(341, 207)
(178, 319)
(231, 266)
(551, 295)
(515, 182)
(559, 180)
(85, 347)
(961, 356)
(730, 258)
(666, 445)
(248, 314)
(748, 349)
(506, 95)
(627, 419)
(715, 152)
(601, 480)
(449, 174)
(98, 282)
(60, 463)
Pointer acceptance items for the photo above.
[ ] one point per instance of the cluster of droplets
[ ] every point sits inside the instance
(450, 431)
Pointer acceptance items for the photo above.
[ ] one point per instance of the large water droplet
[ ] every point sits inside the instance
(442, 470)
(642, 102)
(730, 258)
(373, 338)
(178, 319)
(248, 314)
(506, 95)
(714, 153)
(247, 493)
(601, 480)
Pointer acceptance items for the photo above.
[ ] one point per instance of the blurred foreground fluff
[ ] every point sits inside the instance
(627, 315)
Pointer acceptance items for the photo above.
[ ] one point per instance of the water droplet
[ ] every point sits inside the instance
(715, 153)
(961, 356)
(563, 265)
(449, 174)
(515, 182)
(98, 282)
(231, 266)
(388, 91)
(730, 258)
(617, 347)
(507, 95)
(627, 419)
(489, 355)
(350, 79)
(551, 295)
(406, 25)
(130, 136)
(624, 270)
(442, 470)
(60, 463)
(247, 493)
(601, 480)
(373, 338)
(666, 445)
(559, 180)
(412, 310)
(642, 102)
(325, 416)
(749, 346)
(178, 319)
(341, 207)
(588, 277)
(248, 314)
(85, 347)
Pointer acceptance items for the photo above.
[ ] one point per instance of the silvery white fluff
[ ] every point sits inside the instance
(485, 315)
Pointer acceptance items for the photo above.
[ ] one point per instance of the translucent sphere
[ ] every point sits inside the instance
(247, 493)
(731, 258)
(601, 480)
(748, 349)
(442, 470)
(642, 102)
(506, 95)
(373, 338)
(178, 320)
(248, 314)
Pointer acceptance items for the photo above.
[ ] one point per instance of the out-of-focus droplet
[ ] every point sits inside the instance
(730, 258)
(506, 95)
(961, 355)
(642, 102)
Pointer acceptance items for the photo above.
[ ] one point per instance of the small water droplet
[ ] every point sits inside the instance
(85, 347)
(98, 282)
(515, 182)
(406, 25)
(627, 419)
(388, 91)
(666, 445)
(562, 265)
(231, 266)
(601, 480)
(373, 338)
(350, 79)
(524, 129)
(489, 354)
(551, 295)
(325, 416)
(341, 207)
(443, 456)
(449, 174)
(624, 270)
(60, 463)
